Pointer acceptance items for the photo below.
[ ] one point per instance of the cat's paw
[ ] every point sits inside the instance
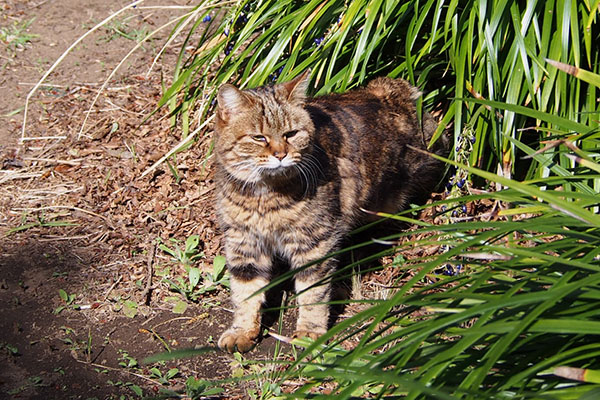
(237, 340)
(309, 334)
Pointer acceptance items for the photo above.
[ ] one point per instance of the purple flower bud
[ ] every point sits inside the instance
(460, 183)
(226, 32)
(473, 139)
(464, 209)
(318, 41)
(206, 18)
(459, 267)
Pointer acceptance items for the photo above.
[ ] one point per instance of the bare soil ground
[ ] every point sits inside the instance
(78, 221)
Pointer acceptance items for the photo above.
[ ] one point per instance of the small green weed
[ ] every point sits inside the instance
(10, 349)
(199, 388)
(130, 308)
(127, 361)
(16, 36)
(69, 300)
(32, 382)
(40, 222)
(133, 387)
(120, 28)
(197, 283)
(123, 304)
(188, 254)
(163, 378)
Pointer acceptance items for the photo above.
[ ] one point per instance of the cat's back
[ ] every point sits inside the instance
(370, 133)
(383, 110)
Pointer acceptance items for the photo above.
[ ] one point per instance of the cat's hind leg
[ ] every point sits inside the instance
(313, 292)
(313, 287)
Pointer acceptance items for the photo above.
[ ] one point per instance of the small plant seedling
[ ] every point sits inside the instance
(41, 222)
(188, 254)
(69, 301)
(120, 28)
(133, 387)
(10, 349)
(163, 379)
(130, 308)
(16, 36)
(197, 283)
(127, 361)
(199, 388)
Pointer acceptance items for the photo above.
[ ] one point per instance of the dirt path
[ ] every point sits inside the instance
(83, 291)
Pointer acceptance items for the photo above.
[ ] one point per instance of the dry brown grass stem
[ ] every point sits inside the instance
(23, 139)
(183, 25)
(177, 147)
(59, 207)
(16, 175)
(116, 107)
(57, 238)
(63, 55)
(118, 66)
(74, 163)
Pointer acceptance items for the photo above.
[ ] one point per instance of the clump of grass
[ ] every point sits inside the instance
(16, 36)
(529, 303)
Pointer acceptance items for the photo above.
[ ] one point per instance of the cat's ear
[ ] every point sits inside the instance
(231, 100)
(297, 87)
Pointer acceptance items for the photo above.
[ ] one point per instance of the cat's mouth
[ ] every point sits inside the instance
(276, 166)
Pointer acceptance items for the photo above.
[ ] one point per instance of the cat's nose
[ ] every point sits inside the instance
(280, 155)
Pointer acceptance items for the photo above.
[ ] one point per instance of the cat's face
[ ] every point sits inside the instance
(263, 132)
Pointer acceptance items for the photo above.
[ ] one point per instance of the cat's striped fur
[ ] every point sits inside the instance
(292, 176)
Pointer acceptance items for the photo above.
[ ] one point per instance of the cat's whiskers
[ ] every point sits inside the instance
(304, 177)
(311, 167)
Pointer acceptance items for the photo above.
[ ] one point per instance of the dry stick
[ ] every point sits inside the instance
(23, 139)
(146, 293)
(112, 287)
(114, 71)
(73, 163)
(176, 148)
(62, 56)
(61, 207)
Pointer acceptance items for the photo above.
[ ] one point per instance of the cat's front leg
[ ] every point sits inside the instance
(249, 271)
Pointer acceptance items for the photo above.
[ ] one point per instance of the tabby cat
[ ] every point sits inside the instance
(292, 175)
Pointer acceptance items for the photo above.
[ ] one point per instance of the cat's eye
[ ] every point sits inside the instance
(259, 138)
(290, 134)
